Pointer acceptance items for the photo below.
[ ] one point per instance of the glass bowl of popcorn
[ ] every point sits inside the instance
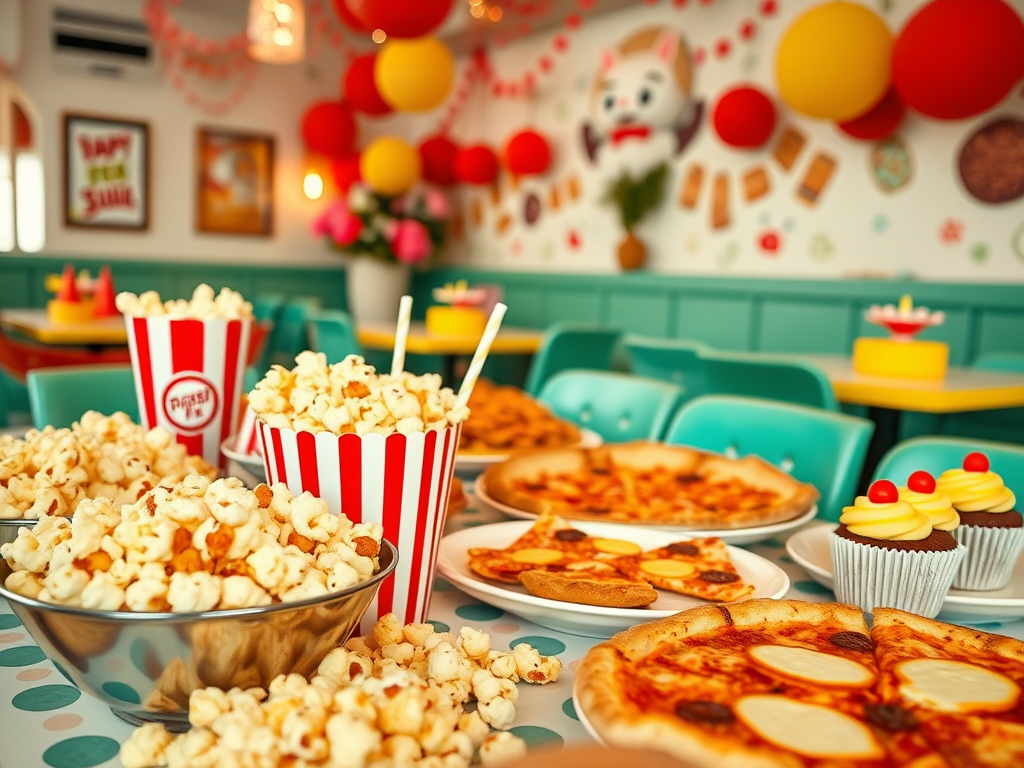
(196, 584)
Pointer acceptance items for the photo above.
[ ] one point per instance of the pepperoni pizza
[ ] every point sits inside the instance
(787, 684)
(650, 483)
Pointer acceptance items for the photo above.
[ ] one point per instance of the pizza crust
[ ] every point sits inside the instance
(794, 497)
(584, 589)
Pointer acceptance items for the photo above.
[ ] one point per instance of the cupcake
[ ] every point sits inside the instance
(920, 493)
(990, 527)
(887, 554)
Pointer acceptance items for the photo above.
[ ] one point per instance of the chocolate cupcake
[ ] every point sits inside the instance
(887, 554)
(990, 527)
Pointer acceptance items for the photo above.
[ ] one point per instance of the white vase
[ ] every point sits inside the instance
(375, 289)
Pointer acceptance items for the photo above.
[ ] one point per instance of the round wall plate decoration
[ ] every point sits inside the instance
(992, 162)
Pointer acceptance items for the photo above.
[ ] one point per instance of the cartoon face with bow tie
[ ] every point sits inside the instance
(642, 110)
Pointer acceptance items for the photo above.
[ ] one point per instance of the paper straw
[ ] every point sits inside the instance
(401, 334)
(480, 356)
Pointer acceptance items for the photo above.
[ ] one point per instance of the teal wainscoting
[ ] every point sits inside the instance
(21, 278)
(755, 314)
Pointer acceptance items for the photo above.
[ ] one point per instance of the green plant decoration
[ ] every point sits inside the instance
(635, 197)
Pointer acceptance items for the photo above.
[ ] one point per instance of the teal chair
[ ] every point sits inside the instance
(999, 424)
(937, 454)
(676, 360)
(769, 377)
(290, 335)
(571, 346)
(332, 332)
(617, 406)
(815, 446)
(266, 310)
(59, 396)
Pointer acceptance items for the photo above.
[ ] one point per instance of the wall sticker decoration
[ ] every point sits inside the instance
(991, 162)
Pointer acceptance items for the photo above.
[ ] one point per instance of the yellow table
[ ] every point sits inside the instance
(509, 341)
(35, 324)
(963, 389)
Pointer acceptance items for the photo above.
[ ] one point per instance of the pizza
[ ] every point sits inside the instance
(788, 684)
(557, 561)
(505, 420)
(649, 483)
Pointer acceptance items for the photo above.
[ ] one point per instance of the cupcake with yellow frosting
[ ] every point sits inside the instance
(990, 527)
(886, 553)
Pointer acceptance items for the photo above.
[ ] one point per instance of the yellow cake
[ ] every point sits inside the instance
(914, 359)
(456, 321)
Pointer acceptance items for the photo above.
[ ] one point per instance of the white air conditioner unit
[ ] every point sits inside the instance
(101, 44)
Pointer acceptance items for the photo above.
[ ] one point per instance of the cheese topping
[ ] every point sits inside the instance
(955, 686)
(667, 569)
(617, 547)
(892, 521)
(537, 556)
(808, 729)
(975, 491)
(805, 664)
(936, 505)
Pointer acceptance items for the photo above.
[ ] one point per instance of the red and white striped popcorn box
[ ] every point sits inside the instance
(188, 375)
(400, 481)
(247, 441)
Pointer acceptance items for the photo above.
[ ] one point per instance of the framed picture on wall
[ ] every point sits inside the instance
(235, 183)
(106, 172)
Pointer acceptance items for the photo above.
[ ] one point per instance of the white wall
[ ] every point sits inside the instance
(274, 104)
(847, 218)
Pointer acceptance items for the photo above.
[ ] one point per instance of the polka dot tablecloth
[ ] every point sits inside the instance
(46, 721)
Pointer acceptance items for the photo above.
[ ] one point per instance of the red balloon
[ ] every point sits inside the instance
(360, 89)
(437, 155)
(527, 154)
(744, 117)
(957, 58)
(345, 171)
(328, 128)
(879, 122)
(476, 165)
(348, 18)
(401, 18)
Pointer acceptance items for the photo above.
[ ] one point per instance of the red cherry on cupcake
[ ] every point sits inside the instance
(883, 492)
(921, 482)
(976, 462)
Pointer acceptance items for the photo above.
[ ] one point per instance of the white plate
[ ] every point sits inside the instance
(478, 462)
(728, 535)
(810, 549)
(253, 464)
(768, 579)
(583, 716)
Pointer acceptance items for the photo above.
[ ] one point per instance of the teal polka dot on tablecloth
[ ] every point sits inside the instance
(809, 587)
(770, 544)
(9, 621)
(21, 656)
(65, 674)
(787, 560)
(46, 697)
(439, 626)
(121, 692)
(479, 612)
(536, 736)
(546, 646)
(569, 708)
(988, 626)
(81, 752)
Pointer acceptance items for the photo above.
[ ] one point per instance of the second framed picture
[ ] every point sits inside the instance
(235, 183)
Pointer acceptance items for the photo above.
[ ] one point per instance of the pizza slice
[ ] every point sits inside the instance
(697, 567)
(551, 544)
(962, 686)
(763, 683)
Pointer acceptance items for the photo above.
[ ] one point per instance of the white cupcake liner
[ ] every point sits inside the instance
(991, 556)
(874, 577)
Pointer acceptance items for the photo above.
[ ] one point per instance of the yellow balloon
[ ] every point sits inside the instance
(390, 165)
(414, 75)
(834, 61)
